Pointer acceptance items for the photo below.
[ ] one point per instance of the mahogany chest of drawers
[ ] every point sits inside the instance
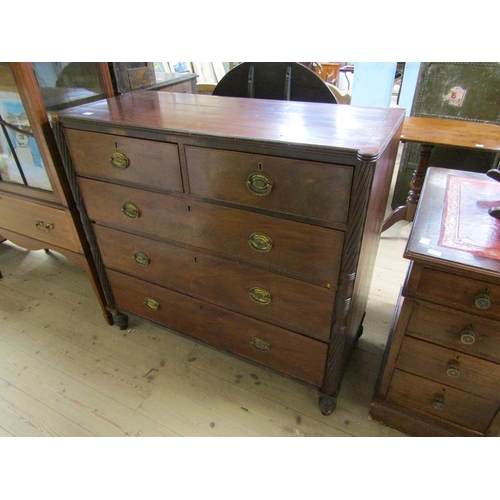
(441, 375)
(250, 225)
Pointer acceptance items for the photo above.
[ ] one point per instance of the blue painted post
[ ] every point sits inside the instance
(373, 83)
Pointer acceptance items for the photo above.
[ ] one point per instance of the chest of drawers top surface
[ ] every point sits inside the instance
(359, 129)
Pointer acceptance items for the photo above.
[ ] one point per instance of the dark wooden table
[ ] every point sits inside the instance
(429, 132)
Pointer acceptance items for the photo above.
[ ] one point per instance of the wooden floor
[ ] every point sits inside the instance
(65, 372)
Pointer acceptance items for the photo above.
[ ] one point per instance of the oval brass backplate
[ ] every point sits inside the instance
(141, 258)
(260, 344)
(119, 160)
(151, 304)
(260, 295)
(131, 211)
(260, 242)
(44, 226)
(259, 184)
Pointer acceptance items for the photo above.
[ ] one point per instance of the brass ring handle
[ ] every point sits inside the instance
(482, 300)
(131, 211)
(452, 371)
(438, 403)
(141, 258)
(467, 336)
(259, 184)
(260, 242)
(151, 304)
(44, 226)
(119, 160)
(260, 295)
(260, 344)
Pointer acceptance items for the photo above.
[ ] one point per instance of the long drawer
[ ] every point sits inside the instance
(284, 301)
(310, 189)
(441, 401)
(466, 332)
(449, 367)
(48, 224)
(125, 159)
(277, 348)
(301, 249)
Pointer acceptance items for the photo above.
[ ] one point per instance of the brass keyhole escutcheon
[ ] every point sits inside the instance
(152, 304)
(452, 371)
(260, 295)
(119, 160)
(260, 242)
(131, 211)
(259, 184)
(141, 258)
(45, 227)
(482, 300)
(260, 344)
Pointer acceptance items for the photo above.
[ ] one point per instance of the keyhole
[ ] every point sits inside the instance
(259, 166)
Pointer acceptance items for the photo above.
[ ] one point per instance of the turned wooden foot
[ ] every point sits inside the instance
(120, 320)
(327, 404)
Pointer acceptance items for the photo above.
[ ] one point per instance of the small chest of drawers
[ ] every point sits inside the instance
(247, 224)
(441, 375)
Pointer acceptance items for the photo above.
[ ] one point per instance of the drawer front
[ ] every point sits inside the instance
(301, 249)
(465, 332)
(142, 162)
(284, 301)
(51, 225)
(314, 190)
(441, 401)
(475, 296)
(274, 347)
(449, 367)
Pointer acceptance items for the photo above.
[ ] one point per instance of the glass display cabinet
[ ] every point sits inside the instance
(37, 210)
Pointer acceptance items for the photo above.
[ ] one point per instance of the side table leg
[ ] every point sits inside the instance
(407, 212)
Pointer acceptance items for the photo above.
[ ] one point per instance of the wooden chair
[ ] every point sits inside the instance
(289, 81)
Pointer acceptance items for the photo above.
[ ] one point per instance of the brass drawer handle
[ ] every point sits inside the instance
(260, 344)
(141, 258)
(119, 160)
(260, 295)
(131, 211)
(452, 371)
(259, 184)
(44, 226)
(151, 304)
(260, 242)
(482, 300)
(438, 403)
(467, 336)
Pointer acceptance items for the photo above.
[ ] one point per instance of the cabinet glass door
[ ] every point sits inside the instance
(20, 159)
(66, 84)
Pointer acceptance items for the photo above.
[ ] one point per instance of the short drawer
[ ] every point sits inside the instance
(461, 292)
(284, 301)
(277, 348)
(125, 159)
(301, 249)
(465, 332)
(314, 190)
(443, 402)
(449, 367)
(51, 225)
